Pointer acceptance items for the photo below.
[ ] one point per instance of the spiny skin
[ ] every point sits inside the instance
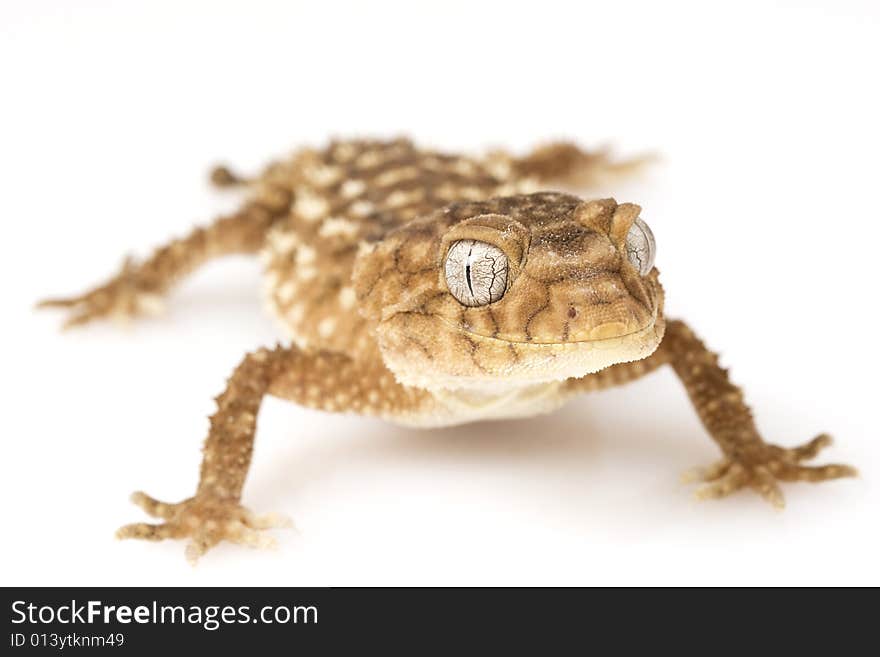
(354, 238)
(573, 304)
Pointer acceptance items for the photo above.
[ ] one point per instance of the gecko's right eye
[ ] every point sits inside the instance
(476, 272)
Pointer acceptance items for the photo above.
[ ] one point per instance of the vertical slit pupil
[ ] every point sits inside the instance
(467, 269)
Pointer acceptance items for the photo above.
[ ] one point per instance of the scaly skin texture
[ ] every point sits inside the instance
(354, 238)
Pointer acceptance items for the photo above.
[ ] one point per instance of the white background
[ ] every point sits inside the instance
(764, 208)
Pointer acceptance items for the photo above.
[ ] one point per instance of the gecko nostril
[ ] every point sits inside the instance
(572, 312)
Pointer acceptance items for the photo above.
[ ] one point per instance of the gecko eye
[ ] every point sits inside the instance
(640, 246)
(476, 272)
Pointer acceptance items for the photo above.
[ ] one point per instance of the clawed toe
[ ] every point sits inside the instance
(762, 469)
(152, 506)
(206, 521)
(122, 298)
(811, 449)
(707, 473)
(815, 473)
(271, 521)
(725, 477)
(149, 532)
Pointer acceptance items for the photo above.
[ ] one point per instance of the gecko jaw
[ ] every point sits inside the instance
(475, 361)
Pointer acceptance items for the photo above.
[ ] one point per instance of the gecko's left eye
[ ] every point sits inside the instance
(640, 246)
(476, 272)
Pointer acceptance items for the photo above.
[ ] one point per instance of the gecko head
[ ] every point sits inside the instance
(514, 290)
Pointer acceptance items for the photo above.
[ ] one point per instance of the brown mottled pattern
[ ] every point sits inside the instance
(345, 196)
(354, 238)
(569, 288)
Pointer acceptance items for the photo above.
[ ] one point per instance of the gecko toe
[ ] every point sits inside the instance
(763, 467)
(811, 449)
(732, 479)
(708, 473)
(206, 521)
(149, 532)
(124, 297)
(765, 484)
(152, 506)
(815, 473)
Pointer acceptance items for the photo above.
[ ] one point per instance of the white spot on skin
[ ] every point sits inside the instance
(326, 327)
(395, 176)
(343, 152)
(286, 292)
(369, 159)
(499, 166)
(323, 175)
(306, 273)
(352, 188)
(284, 242)
(309, 205)
(337, 226)
(362, 208)
(400, 198)
(305, 255)
(347, 297)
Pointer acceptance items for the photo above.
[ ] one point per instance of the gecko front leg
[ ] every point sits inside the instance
(747, 460)
(322, 380)
(215, 513)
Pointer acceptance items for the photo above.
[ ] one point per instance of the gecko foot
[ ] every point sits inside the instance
(762, 466)
(206, 521)
(122, 298)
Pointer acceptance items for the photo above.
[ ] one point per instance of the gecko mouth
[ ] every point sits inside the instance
(480, 359)
(605, 334)
(432, 351)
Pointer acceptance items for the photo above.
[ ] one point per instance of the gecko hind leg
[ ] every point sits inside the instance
(567, 164)
(139, 287)
(121, 298)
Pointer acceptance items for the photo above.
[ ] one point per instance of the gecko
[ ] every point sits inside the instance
(432, 289)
